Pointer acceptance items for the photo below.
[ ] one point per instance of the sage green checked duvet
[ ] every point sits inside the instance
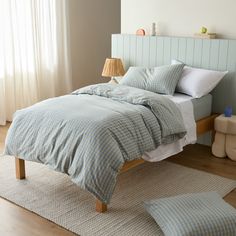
(92, 132)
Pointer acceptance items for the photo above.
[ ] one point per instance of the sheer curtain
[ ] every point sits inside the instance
(34, 53)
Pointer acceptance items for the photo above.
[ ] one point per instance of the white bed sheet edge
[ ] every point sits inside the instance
(164, 151)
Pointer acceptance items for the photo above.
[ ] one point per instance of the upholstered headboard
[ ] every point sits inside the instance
(215, 54)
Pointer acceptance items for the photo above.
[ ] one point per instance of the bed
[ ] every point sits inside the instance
(34, 135)
(201, 107)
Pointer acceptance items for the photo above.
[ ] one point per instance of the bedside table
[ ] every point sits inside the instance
(225, 137)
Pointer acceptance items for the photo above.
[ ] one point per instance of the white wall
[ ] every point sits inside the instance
(180, 17)
(91, 24)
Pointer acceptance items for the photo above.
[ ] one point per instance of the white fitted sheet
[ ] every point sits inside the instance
(202, 107)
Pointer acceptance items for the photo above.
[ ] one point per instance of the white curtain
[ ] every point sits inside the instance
(34, 53)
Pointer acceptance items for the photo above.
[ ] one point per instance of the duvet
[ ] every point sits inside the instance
(90, 133)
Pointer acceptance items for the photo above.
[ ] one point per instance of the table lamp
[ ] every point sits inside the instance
(113, 67)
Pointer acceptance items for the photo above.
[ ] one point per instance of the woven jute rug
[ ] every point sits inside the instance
(53, 196)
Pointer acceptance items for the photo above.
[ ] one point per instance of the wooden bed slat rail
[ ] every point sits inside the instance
(131, 164)
(206, 124)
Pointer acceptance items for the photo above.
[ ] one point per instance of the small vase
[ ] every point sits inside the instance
(153, 33)
(228, 111)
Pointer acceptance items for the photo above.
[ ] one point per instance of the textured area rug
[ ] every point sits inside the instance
(53, 196)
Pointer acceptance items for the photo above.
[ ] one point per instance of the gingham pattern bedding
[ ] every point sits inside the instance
(92, 132)
(197, 214)
(162, 79)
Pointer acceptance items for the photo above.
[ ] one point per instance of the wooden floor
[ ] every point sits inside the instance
(16, 221)
(199, 157)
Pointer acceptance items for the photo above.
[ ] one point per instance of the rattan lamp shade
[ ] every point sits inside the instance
(113, 67)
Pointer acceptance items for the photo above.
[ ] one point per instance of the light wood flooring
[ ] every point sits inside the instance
(16, 221)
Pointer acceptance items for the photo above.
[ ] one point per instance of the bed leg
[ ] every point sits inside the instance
(20, 168)
(100, 207)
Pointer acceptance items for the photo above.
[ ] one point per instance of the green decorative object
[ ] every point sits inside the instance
(203, 30)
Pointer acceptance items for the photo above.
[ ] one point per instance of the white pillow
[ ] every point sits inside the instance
(198, 82)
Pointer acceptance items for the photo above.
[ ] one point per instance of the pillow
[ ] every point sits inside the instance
(193, 214)
(161, 79)
(198, 82)
(165, 79)
(137, 77)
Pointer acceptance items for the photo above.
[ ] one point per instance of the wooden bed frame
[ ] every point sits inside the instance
(204, 125)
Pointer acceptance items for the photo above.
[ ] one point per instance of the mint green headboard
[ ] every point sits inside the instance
(215, 54)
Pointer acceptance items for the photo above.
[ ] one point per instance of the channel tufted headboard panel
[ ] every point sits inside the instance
(215, 54)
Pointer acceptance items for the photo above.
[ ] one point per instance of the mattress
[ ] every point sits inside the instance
(201, 106)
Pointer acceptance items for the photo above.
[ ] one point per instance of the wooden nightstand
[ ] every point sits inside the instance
(225, 137)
